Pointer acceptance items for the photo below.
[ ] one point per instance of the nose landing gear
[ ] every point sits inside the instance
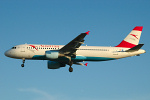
(23, 61)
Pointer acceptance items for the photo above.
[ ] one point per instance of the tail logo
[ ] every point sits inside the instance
(134, 36)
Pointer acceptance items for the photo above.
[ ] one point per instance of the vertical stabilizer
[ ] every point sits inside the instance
(132, 39)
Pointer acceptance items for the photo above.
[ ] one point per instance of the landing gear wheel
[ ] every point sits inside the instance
(70, 69)
(22, 65)
(23, 61)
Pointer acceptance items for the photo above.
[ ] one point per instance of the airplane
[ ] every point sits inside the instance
(73, 53)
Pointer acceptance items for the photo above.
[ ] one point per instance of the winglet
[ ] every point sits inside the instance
(87, 32)
(85, 64)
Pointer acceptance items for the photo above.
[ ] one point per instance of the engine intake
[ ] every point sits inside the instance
(52, 54)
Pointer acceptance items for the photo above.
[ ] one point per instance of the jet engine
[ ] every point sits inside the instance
(52, 54)
(54, 65)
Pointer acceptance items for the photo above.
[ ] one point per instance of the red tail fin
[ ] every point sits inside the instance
(132, 39)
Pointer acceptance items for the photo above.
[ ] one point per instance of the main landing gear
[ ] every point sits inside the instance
(23, 61)
(70, 68)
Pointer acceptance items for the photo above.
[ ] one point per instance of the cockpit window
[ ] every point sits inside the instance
(13, 47)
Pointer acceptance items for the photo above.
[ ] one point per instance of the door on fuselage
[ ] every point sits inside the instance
(23, 48)
(23, 53)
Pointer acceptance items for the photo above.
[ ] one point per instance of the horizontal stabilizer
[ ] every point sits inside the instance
(136, 48)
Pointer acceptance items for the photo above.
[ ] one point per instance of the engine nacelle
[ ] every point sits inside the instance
(52, 54)
(54, 65)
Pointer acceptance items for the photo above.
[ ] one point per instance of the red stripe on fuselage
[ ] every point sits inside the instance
(125, 44)
(34, 47)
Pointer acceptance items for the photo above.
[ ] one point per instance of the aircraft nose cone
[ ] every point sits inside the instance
(7, 53)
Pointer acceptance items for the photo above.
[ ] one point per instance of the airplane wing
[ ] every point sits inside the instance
(71, 48)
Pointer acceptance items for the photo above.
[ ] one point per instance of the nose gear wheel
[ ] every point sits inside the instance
(23, 61)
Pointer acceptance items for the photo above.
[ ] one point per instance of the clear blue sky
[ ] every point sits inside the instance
(58, 22)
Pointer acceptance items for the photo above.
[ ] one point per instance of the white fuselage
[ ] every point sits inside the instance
(84, 53)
